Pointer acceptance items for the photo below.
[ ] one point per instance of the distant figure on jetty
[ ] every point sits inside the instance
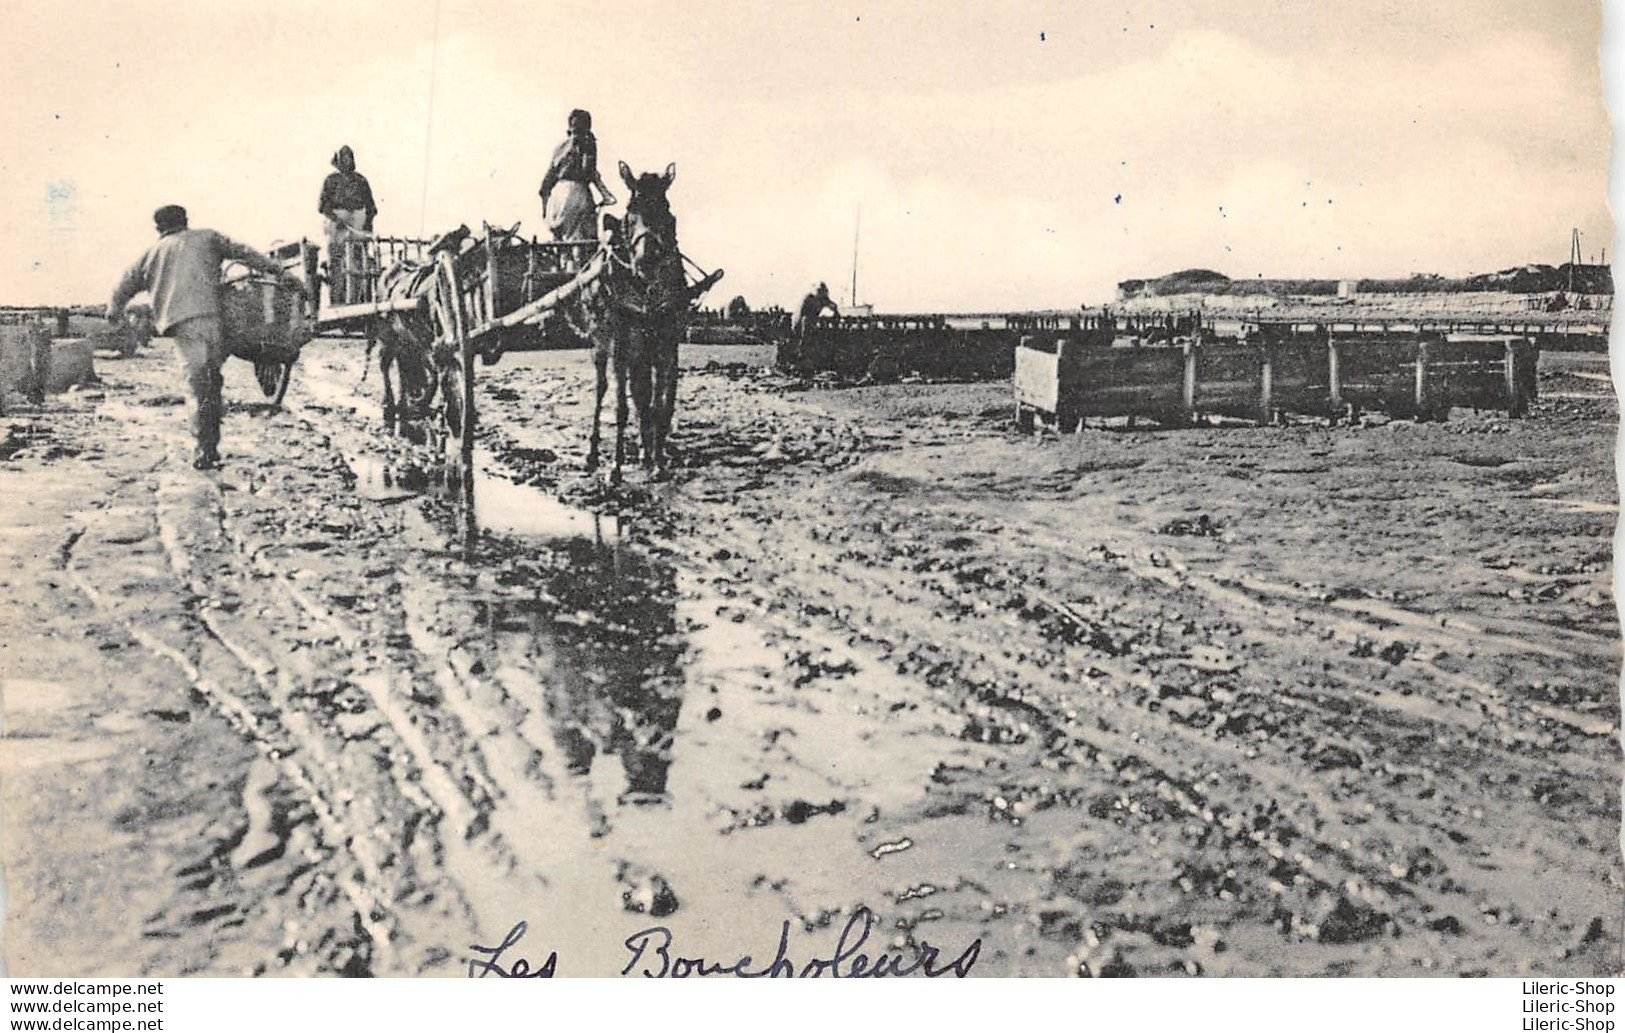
(813, 306)
(182, 274)
(567, 205)
(347, 205)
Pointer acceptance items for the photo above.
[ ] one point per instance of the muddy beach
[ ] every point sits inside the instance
(1306, 700)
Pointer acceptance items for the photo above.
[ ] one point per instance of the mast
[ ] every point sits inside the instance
(856, 229)
(1574, 255)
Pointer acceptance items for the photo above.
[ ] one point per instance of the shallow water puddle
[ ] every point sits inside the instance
(379, 480)
(28, 695)
(486, 502)
(504, 507)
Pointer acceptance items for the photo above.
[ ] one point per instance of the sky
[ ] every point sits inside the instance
(1003, 157)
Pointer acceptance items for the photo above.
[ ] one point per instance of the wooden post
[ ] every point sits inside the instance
(1266, 385)
(490, 282)
(1189, 396)
(352, 281)
(1334, 374)
(1068, 412)
(343, 259)
(1421, 380)
(1024, 422)
(1517, 404)
(310, 253)
(37, 341)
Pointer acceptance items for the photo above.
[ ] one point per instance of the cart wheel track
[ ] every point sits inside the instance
(1322, 837)
(1314, 831)
(359, 885)
(285, 734)
(492, 780)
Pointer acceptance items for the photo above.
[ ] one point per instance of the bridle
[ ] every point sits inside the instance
(640, 272)
(666, 248)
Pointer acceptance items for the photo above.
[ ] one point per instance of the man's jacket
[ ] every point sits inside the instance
(182, 273)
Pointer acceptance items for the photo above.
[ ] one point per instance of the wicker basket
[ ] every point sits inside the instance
(263, 319)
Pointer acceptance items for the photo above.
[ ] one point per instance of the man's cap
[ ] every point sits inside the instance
(169, 217)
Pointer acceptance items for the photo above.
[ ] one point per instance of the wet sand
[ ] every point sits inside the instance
(1224, 701)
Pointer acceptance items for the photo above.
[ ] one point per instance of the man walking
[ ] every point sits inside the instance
(182, 274)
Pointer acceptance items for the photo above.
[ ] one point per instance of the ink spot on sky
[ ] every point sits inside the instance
(1118, 199)
(1040, 37)
(61, 200)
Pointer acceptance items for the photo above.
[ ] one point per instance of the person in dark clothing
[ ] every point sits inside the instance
(816, 303)
(347, 205)
(813, 306)
(182, 274)
(346, 194)
(569, 210)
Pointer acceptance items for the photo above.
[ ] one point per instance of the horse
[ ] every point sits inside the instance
(631, 307)
(650, 238)
(406, 338)
(404, 341)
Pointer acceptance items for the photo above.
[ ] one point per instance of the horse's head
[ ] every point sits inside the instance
(649, 232)
(497, 238)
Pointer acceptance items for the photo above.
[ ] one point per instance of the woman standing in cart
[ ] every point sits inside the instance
(347, 205)
(567, 205)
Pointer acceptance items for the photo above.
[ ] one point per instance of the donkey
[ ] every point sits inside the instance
(649, 236)
(630, 307)
(404, 340)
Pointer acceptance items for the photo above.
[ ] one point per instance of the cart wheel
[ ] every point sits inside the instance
(457, 392)
(465, 363)
(415, 386)
(420, 388)
(457, 374)
(273, 376)
(451, 393)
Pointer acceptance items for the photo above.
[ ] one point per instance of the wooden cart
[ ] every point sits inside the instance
(434, 306)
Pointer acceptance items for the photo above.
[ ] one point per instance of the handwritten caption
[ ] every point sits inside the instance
(653, 953)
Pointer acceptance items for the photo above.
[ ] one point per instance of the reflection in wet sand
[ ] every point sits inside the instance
(600, 623)
(480, 501)
(593, 614)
